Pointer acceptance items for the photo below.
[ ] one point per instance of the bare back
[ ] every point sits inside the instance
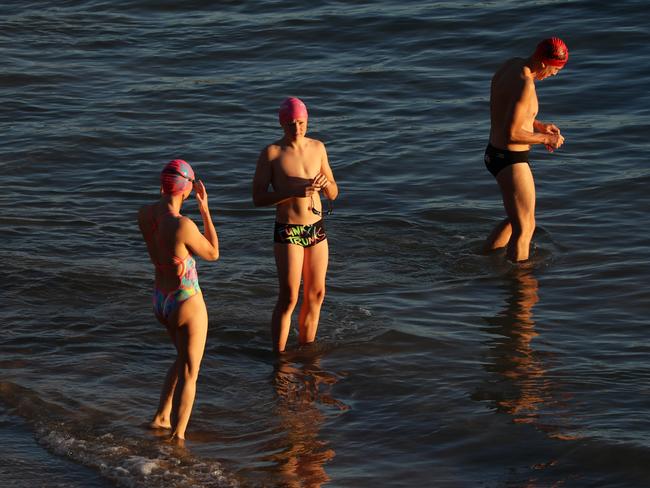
(162, 232)
(513, 104)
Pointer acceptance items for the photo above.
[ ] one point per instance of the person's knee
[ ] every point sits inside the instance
(288, 298)
(524, 226)
(316, 295)
(190, 372)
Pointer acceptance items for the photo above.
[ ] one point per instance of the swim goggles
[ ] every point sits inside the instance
(175, 172)
(318, 212)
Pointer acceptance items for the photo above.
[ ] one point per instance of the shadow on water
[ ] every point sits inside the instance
(299, 456)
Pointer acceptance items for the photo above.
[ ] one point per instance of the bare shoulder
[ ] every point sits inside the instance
(316, 145)
(185, 222)
(271, 152)
(510, 71)
(527, 81)
(186, 226)
(505, 68)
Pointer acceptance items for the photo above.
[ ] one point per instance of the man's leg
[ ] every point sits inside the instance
(288, 260)
(313, 272)
(499, 237)
(518, 192)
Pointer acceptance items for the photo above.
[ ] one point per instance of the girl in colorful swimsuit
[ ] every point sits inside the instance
(173, 241)
(291, 174)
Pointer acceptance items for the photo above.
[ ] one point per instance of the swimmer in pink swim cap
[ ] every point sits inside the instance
(292, 173)
(173, 241)
(514, 129)
(176, 177)
(292, 109)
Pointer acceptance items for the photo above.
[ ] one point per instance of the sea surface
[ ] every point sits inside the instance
(436, 366)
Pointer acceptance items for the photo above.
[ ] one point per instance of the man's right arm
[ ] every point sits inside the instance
(262, 197)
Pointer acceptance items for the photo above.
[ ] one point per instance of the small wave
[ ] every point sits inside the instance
(127, 465)
(128, 461)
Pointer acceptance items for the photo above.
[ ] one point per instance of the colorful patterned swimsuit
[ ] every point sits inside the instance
(165, 302)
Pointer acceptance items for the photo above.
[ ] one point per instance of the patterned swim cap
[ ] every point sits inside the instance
(553, 52)
(176, 177)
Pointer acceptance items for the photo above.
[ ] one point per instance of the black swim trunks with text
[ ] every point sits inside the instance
(301, 235)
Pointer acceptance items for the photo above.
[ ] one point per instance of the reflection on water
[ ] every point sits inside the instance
(512, 355)
(303, 399)
(522, 388)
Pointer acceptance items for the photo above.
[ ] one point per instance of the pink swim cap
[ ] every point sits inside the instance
(292, 109)
(553, 52)
(177, 176)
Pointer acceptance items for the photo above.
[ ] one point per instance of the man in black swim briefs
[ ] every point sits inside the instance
(513, 129)
(497, 159)
(291, 174)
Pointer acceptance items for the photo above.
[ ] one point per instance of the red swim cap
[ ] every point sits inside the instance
(176, 177)
(553, 52)
(292, 109)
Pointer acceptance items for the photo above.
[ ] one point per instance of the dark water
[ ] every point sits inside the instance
(436, 366)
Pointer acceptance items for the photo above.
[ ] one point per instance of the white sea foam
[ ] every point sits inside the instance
(136, 464)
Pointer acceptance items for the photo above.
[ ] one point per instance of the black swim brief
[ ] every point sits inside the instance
(496, 159)
(301, 235)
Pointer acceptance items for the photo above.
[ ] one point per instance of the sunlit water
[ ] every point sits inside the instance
(436, 366)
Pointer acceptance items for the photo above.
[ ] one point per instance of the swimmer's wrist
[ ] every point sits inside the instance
(539, 126)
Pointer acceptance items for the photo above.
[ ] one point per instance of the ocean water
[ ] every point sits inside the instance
(436, 365)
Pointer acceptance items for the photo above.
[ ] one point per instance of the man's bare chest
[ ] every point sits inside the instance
(296, 166)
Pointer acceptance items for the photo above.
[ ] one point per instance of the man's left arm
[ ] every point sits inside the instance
(331, 189)
(544, 128)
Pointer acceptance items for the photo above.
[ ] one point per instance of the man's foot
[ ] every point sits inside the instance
(158, 423)
(176, 441)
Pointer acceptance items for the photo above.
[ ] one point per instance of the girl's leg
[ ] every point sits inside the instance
(191, 335)
(162, 417)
